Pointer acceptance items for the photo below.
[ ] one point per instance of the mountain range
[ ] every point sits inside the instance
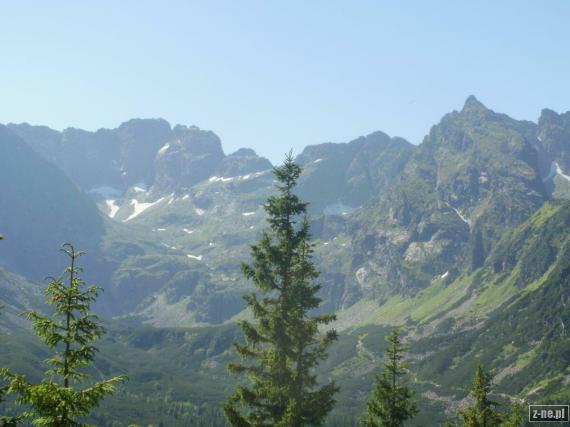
(463, 239)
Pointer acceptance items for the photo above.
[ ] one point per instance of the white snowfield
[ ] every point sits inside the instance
(318, 160)
(196, 257)
(113, 208)
(199, 211)
(248, 213)
(140, 187)
(221, 179)
(106, 191)
(188, 231)
(463, 218)
(561, 173)
(164, 149)
(444, 275)
(235, 178)
(460, 215)
(555, 169)
(139, 208)
(252, 175)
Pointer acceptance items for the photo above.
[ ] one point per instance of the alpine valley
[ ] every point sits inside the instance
(463, 240)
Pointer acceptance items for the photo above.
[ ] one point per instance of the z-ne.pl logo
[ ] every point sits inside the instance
(548, 413)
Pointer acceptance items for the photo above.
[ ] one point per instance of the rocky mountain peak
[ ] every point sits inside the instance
(242, 162)
(196, 141)
(554, 136)
(472, 104)
(190, 156)
(244, 152)
(144, 127)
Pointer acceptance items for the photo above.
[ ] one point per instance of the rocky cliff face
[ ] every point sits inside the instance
(554, 136)
(343, 177)
(191, 155)
(139, 141)
(476, 174)
(242, 162)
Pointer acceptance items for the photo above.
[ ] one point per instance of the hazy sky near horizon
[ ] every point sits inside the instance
(274, 75)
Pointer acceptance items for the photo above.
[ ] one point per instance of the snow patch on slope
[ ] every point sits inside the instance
(236, 178)
(164, 149)
(561, 173)
(463, 218)
(196, 257)
(555, 169)
(140, 187)
(113, 207)
(221, 179)
(139, 208)
(460, 215)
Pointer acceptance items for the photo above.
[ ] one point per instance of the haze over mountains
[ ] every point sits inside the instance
(464, 239)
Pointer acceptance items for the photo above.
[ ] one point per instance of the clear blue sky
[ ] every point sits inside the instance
(272, 75)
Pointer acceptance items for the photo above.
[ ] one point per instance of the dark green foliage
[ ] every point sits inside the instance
(516, 418)
(283, 345)
(5, 421)
(71, 331)
(391, 403)
(482, 413)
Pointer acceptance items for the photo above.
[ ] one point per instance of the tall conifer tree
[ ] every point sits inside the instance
(482, 413)
(6, 421)
(391, 402)
(284, 343)
(56, 401)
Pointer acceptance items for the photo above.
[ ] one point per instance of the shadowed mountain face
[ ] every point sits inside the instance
(346, 176)
(554, 135)
(41, 209)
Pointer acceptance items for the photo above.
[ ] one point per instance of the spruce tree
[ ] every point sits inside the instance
(391, 403)
(482, 413)
(6, 421)
(284, 342)
(57, 401)
(516, 418)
